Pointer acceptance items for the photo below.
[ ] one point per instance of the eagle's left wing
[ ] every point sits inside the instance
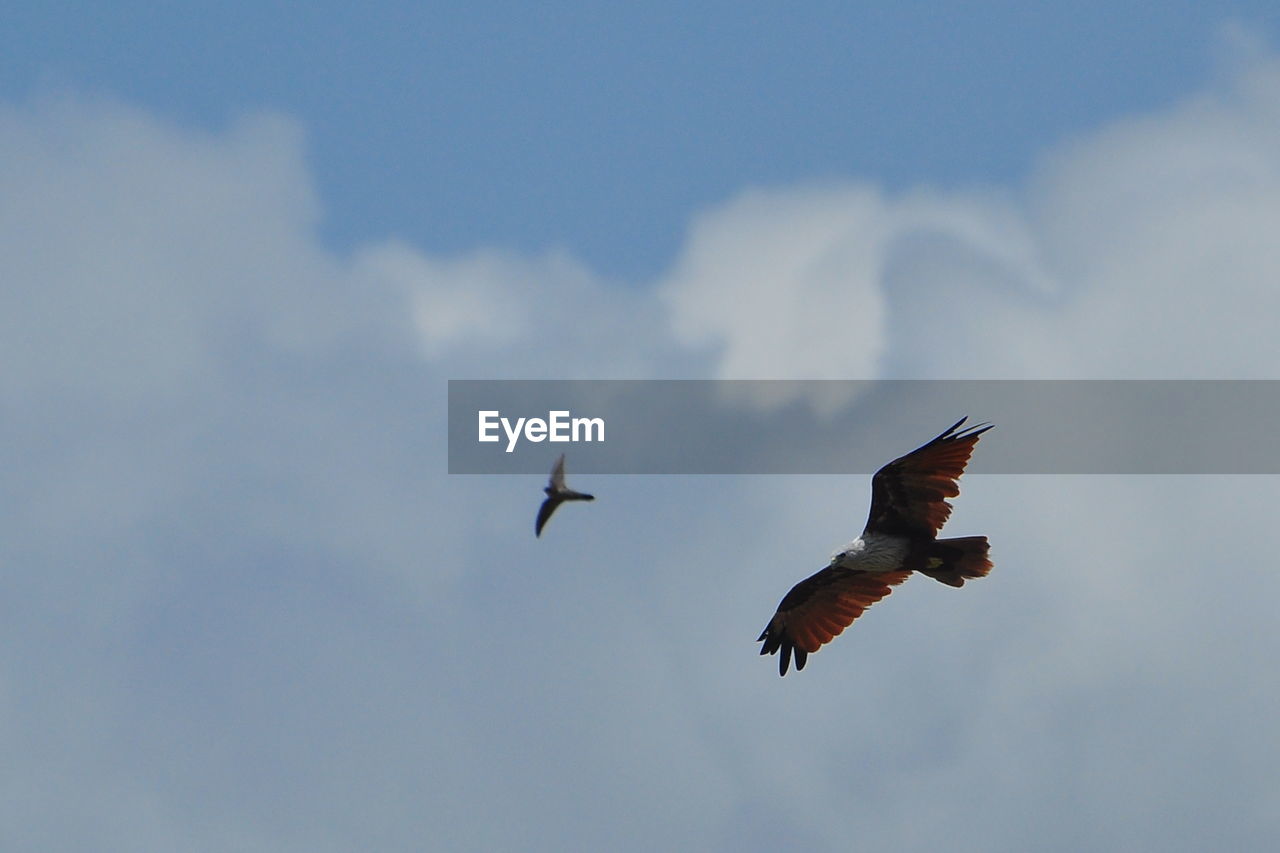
(818, 608)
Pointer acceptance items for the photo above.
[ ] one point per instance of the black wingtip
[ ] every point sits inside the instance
(779, 644)
(789, 651)
(951, 433)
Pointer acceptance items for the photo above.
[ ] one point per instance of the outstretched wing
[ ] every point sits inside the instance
(557, 475)
(818, 608)
(544, 512)
(908, 496)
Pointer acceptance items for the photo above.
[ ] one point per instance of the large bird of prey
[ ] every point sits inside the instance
(908, 507)
(557, 493)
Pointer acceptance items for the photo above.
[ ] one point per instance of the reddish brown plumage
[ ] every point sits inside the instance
(908, 503)
(908, 496)
(820, 607)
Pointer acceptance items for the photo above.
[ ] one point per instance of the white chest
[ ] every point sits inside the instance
(872, 554)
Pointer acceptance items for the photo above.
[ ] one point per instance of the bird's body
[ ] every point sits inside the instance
(557, 493)
(908, 506)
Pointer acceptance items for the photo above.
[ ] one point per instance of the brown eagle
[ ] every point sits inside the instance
(908, 506)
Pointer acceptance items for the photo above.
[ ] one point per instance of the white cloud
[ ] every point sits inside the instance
(1163, 222)
(785, 282)
(495, 314)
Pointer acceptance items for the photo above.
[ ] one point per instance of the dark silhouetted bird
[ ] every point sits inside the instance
(557, 493)
(908, 507)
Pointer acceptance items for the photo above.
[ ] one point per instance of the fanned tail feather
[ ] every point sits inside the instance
(953, 561)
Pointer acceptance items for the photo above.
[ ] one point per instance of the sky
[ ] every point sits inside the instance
(243, 249)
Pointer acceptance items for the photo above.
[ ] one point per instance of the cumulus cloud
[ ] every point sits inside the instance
(1161, 221)
(246, 607)
(495, 314)
(240, 583)
(784, 283)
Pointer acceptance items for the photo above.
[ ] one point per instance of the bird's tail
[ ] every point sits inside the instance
(953, 561)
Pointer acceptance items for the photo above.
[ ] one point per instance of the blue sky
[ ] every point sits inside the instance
(244, 248)
(601, 128)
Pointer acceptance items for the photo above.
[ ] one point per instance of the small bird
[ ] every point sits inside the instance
(557, 493)
(908, 507)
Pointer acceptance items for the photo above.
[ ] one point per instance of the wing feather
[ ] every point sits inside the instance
(909, 495)
(544, 513)
(819, 608)
(557, 474)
